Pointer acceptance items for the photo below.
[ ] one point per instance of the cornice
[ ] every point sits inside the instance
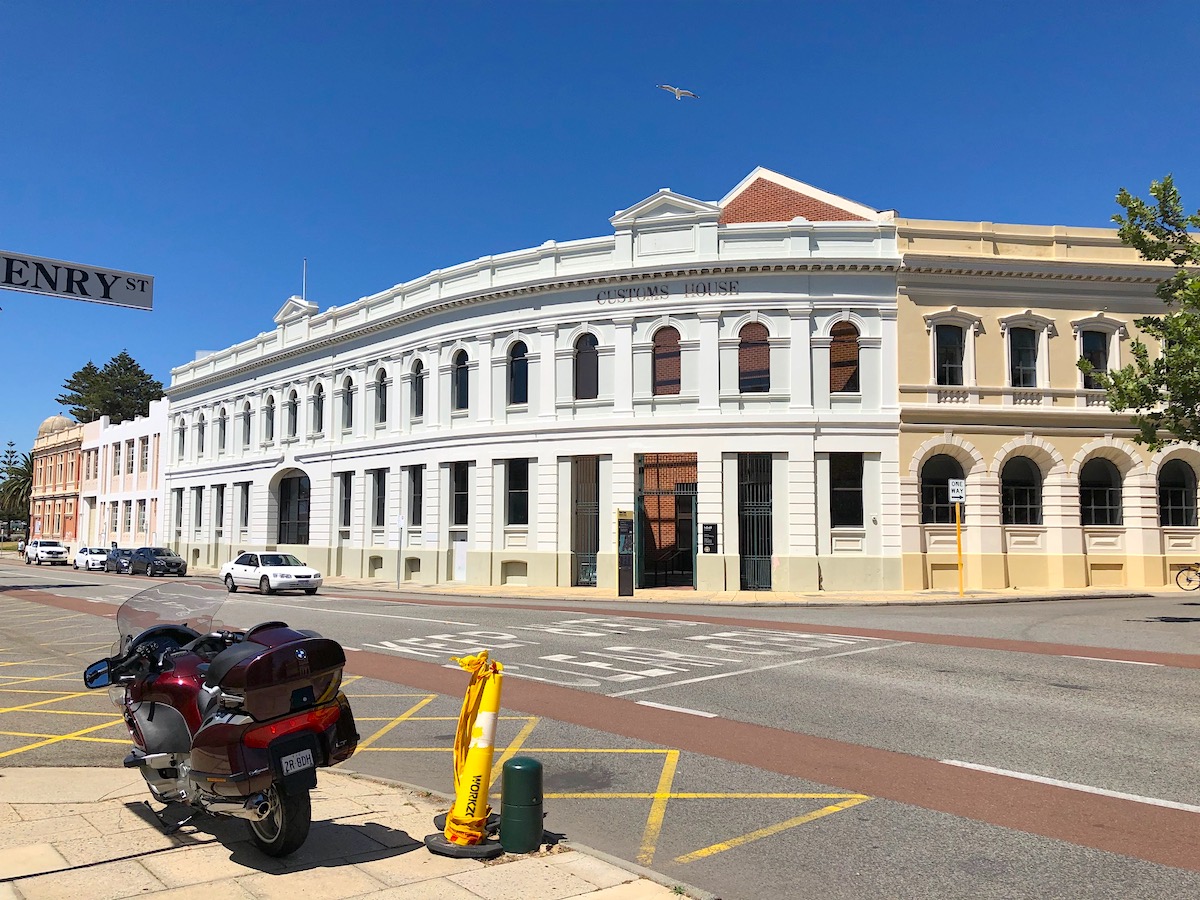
(978, 267)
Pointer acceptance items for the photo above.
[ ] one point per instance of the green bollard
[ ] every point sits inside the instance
(521, 805)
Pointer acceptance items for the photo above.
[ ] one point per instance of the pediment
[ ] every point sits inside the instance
(295, 308)
(666, 207)
(767, 196)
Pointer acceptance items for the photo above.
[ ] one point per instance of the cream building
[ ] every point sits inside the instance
(54, 498)
(992, 321)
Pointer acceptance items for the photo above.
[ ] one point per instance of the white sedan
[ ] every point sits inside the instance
(91, 557)
(270, 572)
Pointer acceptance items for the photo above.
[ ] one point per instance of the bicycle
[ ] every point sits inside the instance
(1188, 577)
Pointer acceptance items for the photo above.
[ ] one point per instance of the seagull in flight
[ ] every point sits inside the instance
(679, 93)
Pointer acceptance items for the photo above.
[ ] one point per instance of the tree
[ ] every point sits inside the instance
(1163, 392)
(17, 484)
(121, 390)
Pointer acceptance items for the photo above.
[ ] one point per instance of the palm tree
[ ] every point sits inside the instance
(16, 484)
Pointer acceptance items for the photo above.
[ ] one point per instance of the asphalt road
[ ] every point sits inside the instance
(770, 752)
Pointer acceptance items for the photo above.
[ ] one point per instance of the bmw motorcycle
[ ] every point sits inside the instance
(227, 722)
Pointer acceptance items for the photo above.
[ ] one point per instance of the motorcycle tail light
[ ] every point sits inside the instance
(316, 720)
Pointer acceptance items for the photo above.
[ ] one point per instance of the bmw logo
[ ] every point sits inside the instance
(301, 654)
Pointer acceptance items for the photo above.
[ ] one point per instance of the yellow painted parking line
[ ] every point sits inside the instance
(4, 685)
(511, 750)
(658, 809)
(361, 748)
(396, 721)
(7, 690)
(8, 709)
(92, 740)
(66, 712)
(37, 662)
(358, 696)
(705, 795)
(61, 738)
(350, 679)
(714, 849)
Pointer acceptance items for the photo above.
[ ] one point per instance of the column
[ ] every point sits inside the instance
(622, 369)
(547, 390)
(487, 380)
(801, 360)
(710, 370)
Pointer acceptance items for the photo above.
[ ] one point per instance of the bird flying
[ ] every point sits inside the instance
(679, 93)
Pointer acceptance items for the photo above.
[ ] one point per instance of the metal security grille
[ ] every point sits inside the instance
(754, 520)
(585, 522)
(666, 524)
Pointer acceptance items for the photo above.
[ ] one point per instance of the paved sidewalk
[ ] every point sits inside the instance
(83, 834)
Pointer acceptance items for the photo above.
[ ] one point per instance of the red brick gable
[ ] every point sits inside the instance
(766, 201)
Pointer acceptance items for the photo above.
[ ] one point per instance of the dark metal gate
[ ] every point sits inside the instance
(585, 523)
(666, 521)
(754, 520)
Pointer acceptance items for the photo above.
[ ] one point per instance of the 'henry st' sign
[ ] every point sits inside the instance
(75, 281)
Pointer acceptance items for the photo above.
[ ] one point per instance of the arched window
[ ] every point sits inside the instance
(269, 420)
(587, 368)
(318, 410)
(936, 508)
(460, 388)
(200, 429)
(1021, 492)
(222, 429)
(293, 414)
(1100, 493)
(348, 404)
(293, 509)
(418, 389)
(181, 440)
(518, 375)
(667, 372)
(754, 359)
(1177, 495)
(246, 424)
(843, 359)
(381, 393)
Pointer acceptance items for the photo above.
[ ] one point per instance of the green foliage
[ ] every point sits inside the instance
(1161, 390)
(16, 484)
(121, 390)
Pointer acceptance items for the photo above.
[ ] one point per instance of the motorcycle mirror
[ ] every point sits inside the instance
(97, 675)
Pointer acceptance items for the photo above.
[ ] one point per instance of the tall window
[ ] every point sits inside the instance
(180, 446)
(1021, 492)
(246, 425)
(130, 459)
(293, 509)
(416, 495)
(222, 429)
(378, 498)
(116, 451)
(418, 389)
(459, 493)
(517, 498)
(1100, 493)
(1094, 345)
(176, 503)
(460, 386)
(243, 505)
(1177, 494)
(587, 368)
(127, 514)
(269, 420)
(843, 359)
(318, 410)
(144, 454)
(293, 414)
(348, 404)
(200, 428)
(846, 490)
(381, 397)
(141, 516)
(936, 507)
(345, 492)
(518, 375)
(754, 359)
(197, 509)
(950, 348)
(1022, 357)
(219, 507)
(667, 371)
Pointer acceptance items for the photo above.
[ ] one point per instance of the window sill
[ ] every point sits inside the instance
(459, 413)
(517, 407)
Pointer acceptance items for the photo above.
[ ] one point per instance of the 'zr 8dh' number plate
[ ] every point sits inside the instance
(296, 762)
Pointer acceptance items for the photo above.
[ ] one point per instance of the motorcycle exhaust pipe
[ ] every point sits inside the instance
(256, 808)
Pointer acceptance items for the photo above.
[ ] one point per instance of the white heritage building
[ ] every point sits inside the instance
(727, 370)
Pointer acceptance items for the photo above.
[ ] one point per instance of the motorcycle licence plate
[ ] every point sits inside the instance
(296, 762)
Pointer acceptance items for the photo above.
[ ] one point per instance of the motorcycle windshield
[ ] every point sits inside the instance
(170, 603)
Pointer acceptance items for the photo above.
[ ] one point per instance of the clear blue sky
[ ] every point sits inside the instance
(214, 145)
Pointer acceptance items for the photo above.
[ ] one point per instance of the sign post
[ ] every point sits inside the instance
(958, 495)
(624, 552)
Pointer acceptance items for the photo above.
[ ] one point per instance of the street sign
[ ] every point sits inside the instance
(74, 281)
(958, 490)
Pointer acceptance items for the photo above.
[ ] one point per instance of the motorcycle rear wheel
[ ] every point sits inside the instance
(286, 826)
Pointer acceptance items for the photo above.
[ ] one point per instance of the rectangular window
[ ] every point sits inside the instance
(345, 488)
(378, 498)
(144, 452)
(1095, 350)
(243, 504)
(113, 512)
(845, 490)
(129, 458)
(126, 516)
(517, 504)
(459, 493)
(141, 516)
(219, 506)
(116, 451)
(197, 507)
(416, 495)
(1022, 357)
(949, 354)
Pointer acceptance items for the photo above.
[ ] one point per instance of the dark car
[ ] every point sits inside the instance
(156, 561)
(117, 560)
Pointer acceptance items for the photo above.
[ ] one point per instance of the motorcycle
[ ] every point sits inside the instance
(227, 722)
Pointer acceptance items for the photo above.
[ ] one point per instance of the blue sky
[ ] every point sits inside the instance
(215, 145)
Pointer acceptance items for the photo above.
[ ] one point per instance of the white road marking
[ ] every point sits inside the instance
(794, 662)
(351, 612)
(681, 709)
(352, 649)
(1071, 785)
(1128, 662)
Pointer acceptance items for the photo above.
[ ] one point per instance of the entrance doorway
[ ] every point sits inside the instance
(666, 522)
(754, 520)
(585, 519)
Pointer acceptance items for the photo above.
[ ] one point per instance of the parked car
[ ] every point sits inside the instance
(90, 558)
(117, 560)
(52, 553)
(270, 572)
(156, 561)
